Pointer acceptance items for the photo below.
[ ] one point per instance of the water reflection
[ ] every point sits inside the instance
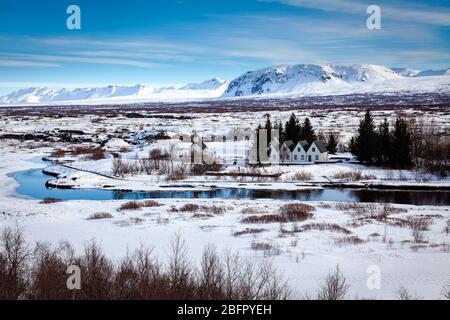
(32, 184)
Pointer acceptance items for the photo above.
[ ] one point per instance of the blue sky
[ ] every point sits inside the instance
(173, 42)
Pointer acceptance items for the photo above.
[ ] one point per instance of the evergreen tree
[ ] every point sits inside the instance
(401, 144)
(332, 144)
(268, 127)
(384, 143)
(307, 131)
(292, 128)
(364, 145)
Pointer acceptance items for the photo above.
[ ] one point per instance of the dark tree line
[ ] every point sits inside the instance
(296, 131)
(381, 145)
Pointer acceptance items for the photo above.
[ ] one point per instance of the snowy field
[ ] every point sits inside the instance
(355, 236)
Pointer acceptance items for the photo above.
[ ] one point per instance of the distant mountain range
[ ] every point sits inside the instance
(283, 80)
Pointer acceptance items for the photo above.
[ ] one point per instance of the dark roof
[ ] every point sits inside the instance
(304, 144)
(290, 144)
(320, 146)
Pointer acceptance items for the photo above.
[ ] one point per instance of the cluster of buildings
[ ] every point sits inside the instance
(243, 151)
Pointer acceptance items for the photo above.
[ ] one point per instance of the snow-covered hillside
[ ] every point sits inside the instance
(212, 84)
(284, 80)
(327, 79)
(406, 72)
(114, 93)
(427, 73)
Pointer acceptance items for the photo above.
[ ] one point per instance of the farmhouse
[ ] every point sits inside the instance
(302, 152)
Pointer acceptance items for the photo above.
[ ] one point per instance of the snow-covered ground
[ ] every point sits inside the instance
(354, 236)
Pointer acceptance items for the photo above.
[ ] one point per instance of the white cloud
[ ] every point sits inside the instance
(38, 58)
(21, 63)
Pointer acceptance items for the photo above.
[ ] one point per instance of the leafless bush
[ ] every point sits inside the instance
(248, 231)
(117, 167)
(150, 204)
(132, 205)
(418, 226)
(189, 207)
(353, 176)
(335, 286)
(14, 263)
(251, 210)
(446, 291)
(50, 200)
(302, 176)
(403, 294)
(358, 209)
(100, 215)
(288, 213)
(324, 226)
(89, 152)
(261, 246)
(177, 174)
(40, 273)
(350, 240)
(447, 227)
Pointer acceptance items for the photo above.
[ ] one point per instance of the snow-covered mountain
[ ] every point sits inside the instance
(406, 72)
(329, 79)
(212, 84)
(284, 80)
(428, 73)
(114, 93)
(303, 78)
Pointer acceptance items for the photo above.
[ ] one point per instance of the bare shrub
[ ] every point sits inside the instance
(302, 176)
(418, 226)
(50, 200)
(117, 167)
(251, 210)
(447, 227)
(40, 273)
(200, 169)
(132, 205)
(248, 231)
(189, 207)
(260, 246)
(446, 291)
(177, 174)
(358, 209)
(288, 213)
(14, 263)
(150, 204)
(403, 294)
(335, 286)
(324, 226)
(353, 176)
(100, 215)
(350, 240)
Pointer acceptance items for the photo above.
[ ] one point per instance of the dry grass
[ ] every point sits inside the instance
(50, 200)
(100, 215)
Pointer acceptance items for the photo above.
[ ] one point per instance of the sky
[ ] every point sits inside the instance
(174, 42)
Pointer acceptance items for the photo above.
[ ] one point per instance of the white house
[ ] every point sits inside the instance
(317, 152)
(303, 152)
